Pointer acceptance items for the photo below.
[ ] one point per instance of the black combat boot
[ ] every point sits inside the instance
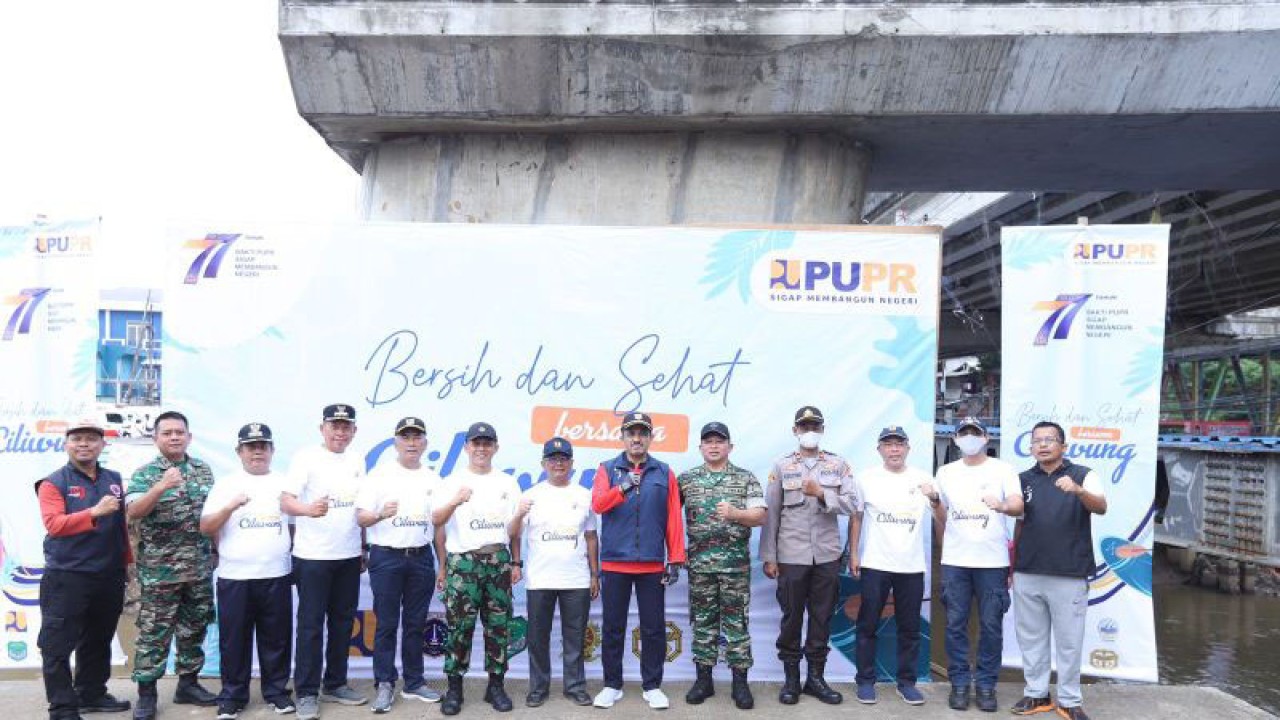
(817, 686)
(189, 692)
(741, 692)
(146, 707)
(452, 703)
(790, 692)
(703, 687)
(495, 695)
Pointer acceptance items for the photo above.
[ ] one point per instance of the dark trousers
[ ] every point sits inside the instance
(812, 588)
(328, 591)
(402, 584)
(79, 615)
(575, 605)
(908, 593)
(260, 609)
(960, 587)
(615, 595)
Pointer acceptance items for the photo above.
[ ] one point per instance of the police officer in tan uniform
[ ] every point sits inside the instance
(801, 548)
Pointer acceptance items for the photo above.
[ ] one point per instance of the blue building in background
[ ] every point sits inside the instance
(129, 368)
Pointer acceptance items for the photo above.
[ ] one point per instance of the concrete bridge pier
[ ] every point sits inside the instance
(618, 178)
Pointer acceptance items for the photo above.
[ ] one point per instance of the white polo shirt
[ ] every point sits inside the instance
(254, 542)
(555, 530)
(976, 536)
(413, 490)
(483, 519)
(316, 473)
(895, 517)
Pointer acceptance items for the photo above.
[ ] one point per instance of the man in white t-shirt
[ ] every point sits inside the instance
(475, 507)
(970, 501)
(887, 537)
(255, 591)
(563, 565)
(321, 494)
(394, 507)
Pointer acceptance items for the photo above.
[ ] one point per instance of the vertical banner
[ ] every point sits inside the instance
(1082, 344)
(544, 331)
(48, 343)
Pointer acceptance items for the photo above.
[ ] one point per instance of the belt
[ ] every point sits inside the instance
(490, 549)
(402, 551)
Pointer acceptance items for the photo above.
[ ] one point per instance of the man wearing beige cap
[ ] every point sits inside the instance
(82, 590)
(394, 507)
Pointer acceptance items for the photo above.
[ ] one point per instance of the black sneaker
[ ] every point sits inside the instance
(283, 706)
(105, 703)
(228, 711)
(1031, 706)
(987, 700)
(1073, 713)
(959, 697)
(579, 697)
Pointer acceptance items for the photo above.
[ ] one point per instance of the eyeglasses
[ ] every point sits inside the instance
(1047, 442)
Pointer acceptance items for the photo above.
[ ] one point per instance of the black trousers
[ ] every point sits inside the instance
(79, 612)
(255, 609)
(615, 596)
(908, 595)
(328, 592)
(575, 606)
(811, 588)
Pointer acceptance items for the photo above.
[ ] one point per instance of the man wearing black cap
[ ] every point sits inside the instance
(722, 502)
(321, 494)
(82, 589)
(483, 563)
(641, 548)
(255, 592)
(394, 506)
(801, 547)
(894, 512)
(971, 498)
(562, 565)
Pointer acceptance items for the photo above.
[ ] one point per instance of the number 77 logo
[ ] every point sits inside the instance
(1064, 312)
(27, 302)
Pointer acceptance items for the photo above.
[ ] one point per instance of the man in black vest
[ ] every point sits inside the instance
(82, 590)
(1054, 559)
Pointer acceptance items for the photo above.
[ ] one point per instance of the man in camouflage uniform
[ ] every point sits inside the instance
(165, 497)
(722, 502)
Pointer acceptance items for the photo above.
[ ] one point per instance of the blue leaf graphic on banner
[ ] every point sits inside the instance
(1021, 253)
(273, 332)
(733, 255)
(170, 342)
(914, 351)
(1145, 365)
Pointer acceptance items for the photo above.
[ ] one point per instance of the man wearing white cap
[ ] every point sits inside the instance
(394, 507)
(82, 589)
(255, 590)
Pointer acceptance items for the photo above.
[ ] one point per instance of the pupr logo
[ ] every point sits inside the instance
(213, 248)
(25, 304)
(1114, 253)
(1063, 313)
(841, 282)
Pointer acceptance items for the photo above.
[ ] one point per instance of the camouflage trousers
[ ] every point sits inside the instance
(181, 610)
(718, 602)
(477, 584)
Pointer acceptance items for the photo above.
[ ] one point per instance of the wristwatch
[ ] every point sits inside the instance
(517, 563)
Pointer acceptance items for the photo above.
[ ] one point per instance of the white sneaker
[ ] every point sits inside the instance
(657, 699)
(607, 697)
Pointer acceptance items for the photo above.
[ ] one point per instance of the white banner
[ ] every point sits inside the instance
(553, 330)
(1082, 345)
(48, 346)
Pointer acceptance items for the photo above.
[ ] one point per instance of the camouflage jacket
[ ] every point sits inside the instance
(170, 546)
(717, 545)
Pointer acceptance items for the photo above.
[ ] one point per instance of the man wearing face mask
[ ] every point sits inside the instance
(801, 547)
(970, 499)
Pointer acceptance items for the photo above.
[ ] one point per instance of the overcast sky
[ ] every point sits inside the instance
(175, 110)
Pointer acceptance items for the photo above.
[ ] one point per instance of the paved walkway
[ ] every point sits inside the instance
(24, 699)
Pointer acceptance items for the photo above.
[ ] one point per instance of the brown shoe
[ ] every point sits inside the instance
(1031, 706)
(1073, 713)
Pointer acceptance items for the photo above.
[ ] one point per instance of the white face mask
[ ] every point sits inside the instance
(971, 444)
(809, 440)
